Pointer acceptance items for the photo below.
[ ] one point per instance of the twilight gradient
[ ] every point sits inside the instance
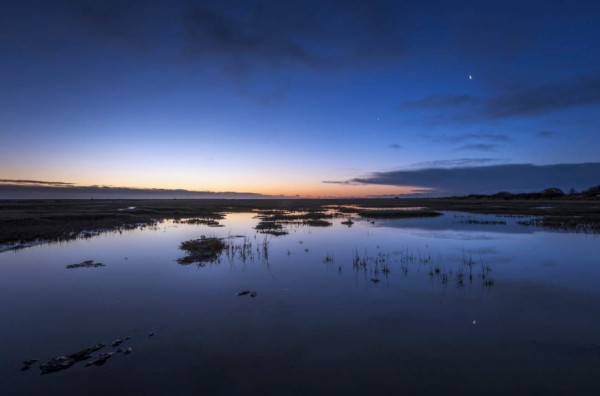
(276, 97)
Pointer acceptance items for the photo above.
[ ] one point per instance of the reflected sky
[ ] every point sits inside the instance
(315, 327)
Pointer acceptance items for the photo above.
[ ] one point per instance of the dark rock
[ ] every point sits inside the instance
(374, 280)
(86, 353)
(253, 294)
(244, 292)
(63, 362)
(119, 341)
(27, 364)
(86, 264)
(30, 362)
(57, 364)
(128, 351)
(150, 334)
(100, 360)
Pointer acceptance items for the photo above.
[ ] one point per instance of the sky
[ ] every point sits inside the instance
(299, 98)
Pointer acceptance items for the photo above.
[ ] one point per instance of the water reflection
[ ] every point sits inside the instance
(408, 305)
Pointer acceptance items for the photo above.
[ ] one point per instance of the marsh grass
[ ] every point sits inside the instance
(461, 271)
(33, 221)
(271, 227)
(202, 250)
(317, 223)
(199, 221)
(273, 222)
(242, 250)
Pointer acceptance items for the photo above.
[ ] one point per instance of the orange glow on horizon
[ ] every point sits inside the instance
(290, 189)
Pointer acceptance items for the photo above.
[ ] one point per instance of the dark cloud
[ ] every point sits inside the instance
(546, 98)
(245, 39)
(34, 182)
(479, 147)
(109, 18)
(214, 30)
(414, 193)
(526, 101)
(323, 34)
(28, 189)
(135, 24)
(490, 179)
(395, 146)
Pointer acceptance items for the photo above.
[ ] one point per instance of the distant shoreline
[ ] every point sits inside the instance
(24, 222)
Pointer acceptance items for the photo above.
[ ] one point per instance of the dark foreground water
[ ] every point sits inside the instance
(424, 306)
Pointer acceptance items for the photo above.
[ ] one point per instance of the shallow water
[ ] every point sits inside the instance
(399, 321)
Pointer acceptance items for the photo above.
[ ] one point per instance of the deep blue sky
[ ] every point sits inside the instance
(279, 97)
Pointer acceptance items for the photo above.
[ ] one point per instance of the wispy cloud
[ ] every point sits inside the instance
(453, 163)
(490, 137)
(471, 141)
(275, 34)
(479, 147)
(546, 98)
(344, 182)
(527, 101)
(546, 134)
(465, 137)
(395, 146)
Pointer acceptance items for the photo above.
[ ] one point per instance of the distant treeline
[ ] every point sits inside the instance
(549, 193)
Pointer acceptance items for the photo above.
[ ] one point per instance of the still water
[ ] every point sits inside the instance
(408, 306)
